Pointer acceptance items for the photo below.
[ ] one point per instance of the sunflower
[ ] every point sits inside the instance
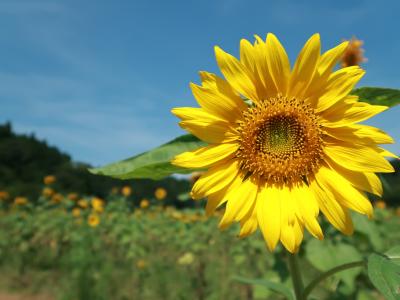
(160, 193)
(284, 143)
(354, 54)
(93, 220)
(126, 191)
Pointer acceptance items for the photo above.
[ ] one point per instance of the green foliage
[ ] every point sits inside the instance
(277, 287)
(384, 272)
(334, 255)
(378, 96)
(154, 164)
(165, 253)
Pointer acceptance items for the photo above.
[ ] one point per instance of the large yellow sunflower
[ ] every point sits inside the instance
(284, 142)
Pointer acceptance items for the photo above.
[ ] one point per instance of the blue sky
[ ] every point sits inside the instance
(98, 78)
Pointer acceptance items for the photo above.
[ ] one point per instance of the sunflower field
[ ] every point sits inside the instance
(70, 247)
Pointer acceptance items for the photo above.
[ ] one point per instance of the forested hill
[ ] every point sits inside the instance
(25, 160)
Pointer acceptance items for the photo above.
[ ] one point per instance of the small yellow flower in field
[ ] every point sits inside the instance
(141, 264)
(76, 212)
(93, 220)
(144, 203)
(177, 215)
(398, 211)
(48, 192)
(4, 195)
(354, 54)
(73, 196)
(49, 179)
(57, 198)
(186, 259)
(126, 191)
(97, 204)
(380, 204)
(160, 193)
(20, 201)
(293, 149)
(83, 203)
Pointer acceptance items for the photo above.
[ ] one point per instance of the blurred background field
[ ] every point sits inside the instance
(67, 234)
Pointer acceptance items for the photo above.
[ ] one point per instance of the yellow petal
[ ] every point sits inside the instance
(204, 125)
(308, 209)
(240, 200)
(336, 214)
(205, 156)
(278, 63)
(357, 112)
(339, 85)
(249, 224)
(269, 215)
(215, 179)
(247, 55)
(298, 234)
(192, 113)
(343, 191)
(209, 132)
(357, 158)
(330, 58)
(260, 56)
(360, 134)
(325, 65)
(217, 198)
(238, 76)
(287, 220)
(217, 97)
(368, 182)
(386, 153)
(287, 238)
(251, 57)
(304, 67)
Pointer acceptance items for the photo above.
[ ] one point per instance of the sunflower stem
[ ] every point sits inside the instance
(295, 274)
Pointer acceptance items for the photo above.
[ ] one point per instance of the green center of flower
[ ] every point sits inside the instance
(280, 135)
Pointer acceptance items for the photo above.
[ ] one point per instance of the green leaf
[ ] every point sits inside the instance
(378, 96)
(394, 255)
(368, 229)
(384, 273)
(324, 255)
(184, 197)
(273, 286)
(154, 164)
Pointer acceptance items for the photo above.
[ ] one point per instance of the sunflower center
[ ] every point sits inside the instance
(280, 140)
(279, 135)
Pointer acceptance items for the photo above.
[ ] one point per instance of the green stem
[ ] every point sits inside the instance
(328, 273)
(295, 273)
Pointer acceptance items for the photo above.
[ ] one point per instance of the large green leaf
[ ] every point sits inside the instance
(154, 164)
(325, 255)
(273, 286)
(384, 273)
(378, 96)
(369, 229)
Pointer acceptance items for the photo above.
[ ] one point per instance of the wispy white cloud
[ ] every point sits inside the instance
(92, 127)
